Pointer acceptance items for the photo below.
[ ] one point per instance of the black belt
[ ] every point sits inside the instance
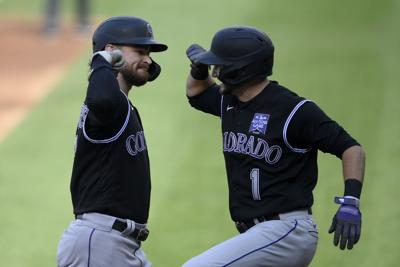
(140, 234)
(243, 226)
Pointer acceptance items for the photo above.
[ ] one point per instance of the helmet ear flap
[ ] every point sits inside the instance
(154, 70)
(252, 70)
(267, 65)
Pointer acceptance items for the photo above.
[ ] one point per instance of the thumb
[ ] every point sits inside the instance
(333, 225)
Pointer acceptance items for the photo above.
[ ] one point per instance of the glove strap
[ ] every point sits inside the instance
(348, 200)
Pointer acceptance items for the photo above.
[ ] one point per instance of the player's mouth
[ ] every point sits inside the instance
(144, 67)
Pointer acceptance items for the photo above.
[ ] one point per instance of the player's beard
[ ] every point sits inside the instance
(135, 75)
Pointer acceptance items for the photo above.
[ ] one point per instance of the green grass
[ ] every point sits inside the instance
(343, 55)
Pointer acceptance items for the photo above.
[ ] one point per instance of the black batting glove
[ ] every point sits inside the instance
(198, 71)
(346, 223)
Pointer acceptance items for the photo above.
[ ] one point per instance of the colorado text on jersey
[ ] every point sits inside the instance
(257, 148)
(136, 143)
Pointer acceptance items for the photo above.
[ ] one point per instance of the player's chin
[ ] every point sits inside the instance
(143, 74)
(139, 81)
(137, 78)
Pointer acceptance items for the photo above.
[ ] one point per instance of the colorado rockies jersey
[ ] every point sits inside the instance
(270, 147)
(111, 172)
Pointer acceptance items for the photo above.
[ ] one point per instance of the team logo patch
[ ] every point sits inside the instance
(149, 30)
(259, 123)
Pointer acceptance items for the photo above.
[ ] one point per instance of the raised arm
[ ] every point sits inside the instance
(199, 79)
(104, 97)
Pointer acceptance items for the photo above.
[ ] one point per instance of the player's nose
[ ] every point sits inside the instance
(147, 59)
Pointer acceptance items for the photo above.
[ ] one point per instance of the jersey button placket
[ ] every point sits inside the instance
(239, 116)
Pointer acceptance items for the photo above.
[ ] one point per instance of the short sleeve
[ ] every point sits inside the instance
(311, 127)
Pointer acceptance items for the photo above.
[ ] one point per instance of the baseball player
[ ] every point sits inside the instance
(110, 184)
(270, 141)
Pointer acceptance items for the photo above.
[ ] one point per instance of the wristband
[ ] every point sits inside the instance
(352, 187)
(199, 72)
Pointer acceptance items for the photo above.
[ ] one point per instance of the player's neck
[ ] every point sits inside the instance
(123, 85)
(249, 91)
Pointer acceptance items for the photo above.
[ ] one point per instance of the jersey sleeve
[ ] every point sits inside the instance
(208, 101)
(311, 127)
(104, 99)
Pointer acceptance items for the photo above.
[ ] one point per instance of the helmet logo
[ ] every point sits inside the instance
(149, 30)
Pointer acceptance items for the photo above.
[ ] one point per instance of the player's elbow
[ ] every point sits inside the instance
(355, 151)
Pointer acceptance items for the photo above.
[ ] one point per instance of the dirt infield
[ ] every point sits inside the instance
(30, 65)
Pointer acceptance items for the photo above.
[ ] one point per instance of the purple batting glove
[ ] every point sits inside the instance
(347, 222)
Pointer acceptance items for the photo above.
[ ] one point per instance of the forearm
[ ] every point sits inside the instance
(103, 96)
(195, 87)
(346, 224)
(353, 160)
(103, 86)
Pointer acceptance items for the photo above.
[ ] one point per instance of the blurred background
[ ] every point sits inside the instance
(344, 55)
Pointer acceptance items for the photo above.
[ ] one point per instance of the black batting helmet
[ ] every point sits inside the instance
(124, 30)
(244, 53)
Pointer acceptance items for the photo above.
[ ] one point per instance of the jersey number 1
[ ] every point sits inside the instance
(255, 183)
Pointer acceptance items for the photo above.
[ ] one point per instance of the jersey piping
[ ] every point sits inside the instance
(222, 102)
(270, 244)
(115, 137)
(297, 150)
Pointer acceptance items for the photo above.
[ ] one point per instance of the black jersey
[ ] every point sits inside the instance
(111, 172)
(270, 146)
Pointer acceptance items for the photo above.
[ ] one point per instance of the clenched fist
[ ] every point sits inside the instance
(114, 57)
(198, 71)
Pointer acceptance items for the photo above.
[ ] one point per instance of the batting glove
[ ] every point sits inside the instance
(114, 57)
(198, 71)
(347, 222)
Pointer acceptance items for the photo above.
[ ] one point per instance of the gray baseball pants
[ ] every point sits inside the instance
(91, 242)
(288, 242)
